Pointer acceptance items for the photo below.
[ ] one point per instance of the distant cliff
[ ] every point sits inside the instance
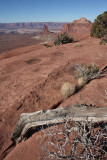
(32, 25)
(81, 26)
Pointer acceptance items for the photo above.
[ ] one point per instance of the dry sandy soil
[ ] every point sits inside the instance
(30, 80)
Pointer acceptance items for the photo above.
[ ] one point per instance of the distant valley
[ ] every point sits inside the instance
(30, 27)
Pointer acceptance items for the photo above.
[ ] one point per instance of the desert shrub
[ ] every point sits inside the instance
(104, 40)
(91, 70)
(67, 90)
(81, 82)
(62, 39)
(86, 71)
(99, 27)
(77, 45)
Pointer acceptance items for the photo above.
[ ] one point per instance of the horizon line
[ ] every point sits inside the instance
(43, 22)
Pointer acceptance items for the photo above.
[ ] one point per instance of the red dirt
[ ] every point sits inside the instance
(31, 81)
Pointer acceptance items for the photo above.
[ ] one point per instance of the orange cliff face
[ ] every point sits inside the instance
(81, 27)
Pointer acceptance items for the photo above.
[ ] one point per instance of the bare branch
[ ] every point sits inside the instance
(88, 143)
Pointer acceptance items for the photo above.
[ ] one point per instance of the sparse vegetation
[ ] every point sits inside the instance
(67, 90)
(83, 74)
(99, 27)
(91, 70)
(62, 39)
(47, 45)
(77, 45)
(81, 82)
(86, 71)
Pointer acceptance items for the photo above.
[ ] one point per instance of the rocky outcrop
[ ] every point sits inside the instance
(82, 20)
(45, 30)
(81, 26)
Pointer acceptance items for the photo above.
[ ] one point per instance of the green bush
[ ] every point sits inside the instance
(104, 40)
(62, 39)
(99, 27)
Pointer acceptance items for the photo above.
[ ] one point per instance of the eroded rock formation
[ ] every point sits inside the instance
(45, 30)
(81, 26)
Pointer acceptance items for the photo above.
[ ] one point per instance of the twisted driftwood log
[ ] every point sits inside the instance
(29, 121)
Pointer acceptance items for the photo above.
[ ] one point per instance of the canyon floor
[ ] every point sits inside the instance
(9, 41)
(30, 80)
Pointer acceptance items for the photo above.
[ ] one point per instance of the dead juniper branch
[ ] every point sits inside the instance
(31, 121)
(76, 141)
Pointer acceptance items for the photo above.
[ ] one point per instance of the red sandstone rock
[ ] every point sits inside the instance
(82, 20)
(81, 26)
(45, 30)
(31, 79)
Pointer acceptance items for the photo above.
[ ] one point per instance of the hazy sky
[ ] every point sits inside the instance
(50, 10)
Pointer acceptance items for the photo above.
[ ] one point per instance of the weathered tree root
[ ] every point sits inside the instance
(29, 121)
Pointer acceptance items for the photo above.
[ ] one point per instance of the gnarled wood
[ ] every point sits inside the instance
(29, 121)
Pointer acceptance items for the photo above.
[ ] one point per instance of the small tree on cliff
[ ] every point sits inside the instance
(99, 27)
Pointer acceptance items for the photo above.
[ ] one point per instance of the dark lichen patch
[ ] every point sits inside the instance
(33, 61)
(58, 53)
